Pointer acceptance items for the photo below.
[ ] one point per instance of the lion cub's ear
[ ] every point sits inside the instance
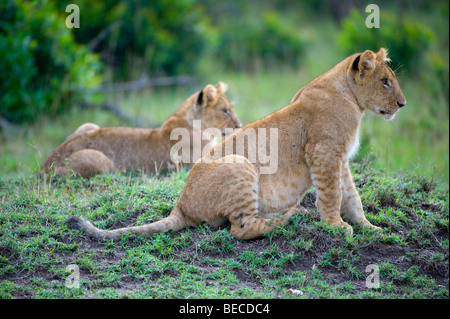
(207, 96)
(221, 88)
(382, 55)
(366, 64)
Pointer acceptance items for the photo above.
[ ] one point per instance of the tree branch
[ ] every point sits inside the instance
(143, 82)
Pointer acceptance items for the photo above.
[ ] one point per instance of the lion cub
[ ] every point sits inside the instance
(317, 135)
(92, 150)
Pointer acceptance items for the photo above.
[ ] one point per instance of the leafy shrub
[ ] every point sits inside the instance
(164, 37)
(245, 44)
(40, 63)
(160, 37)
(406, 40)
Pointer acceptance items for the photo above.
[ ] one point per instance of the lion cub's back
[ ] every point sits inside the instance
(128, 148)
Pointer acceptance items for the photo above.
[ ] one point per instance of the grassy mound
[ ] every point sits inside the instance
(410, 254)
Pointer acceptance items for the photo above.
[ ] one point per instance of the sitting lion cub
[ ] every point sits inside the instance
(92, 150)
(317, 135)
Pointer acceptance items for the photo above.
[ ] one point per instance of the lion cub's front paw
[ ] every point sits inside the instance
(346, 226)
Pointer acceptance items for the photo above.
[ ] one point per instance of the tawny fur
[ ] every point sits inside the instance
(92, 150)
(317, 135)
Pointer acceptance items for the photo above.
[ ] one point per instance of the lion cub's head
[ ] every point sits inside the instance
(375, 83)
(214, 109)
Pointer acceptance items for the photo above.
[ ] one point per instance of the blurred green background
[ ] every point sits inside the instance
(264, 50)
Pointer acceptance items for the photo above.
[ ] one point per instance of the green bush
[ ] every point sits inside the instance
(160, 37)
(245, 44)
(40, 63)
(406, 40)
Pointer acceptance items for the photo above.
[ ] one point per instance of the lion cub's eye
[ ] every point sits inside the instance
(226, 111)
(386, 82)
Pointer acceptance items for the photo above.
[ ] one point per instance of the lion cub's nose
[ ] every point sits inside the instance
(402, 104)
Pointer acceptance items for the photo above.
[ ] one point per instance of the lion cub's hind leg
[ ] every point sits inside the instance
(89, 162)
(242, 202)
(248, 224)
(227, 188)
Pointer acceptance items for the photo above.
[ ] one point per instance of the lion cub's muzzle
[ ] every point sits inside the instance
(225, 131)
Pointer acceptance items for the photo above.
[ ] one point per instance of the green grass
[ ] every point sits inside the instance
(320, 260)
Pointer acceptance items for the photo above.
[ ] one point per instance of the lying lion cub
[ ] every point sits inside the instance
(92, 150)
(317, 135)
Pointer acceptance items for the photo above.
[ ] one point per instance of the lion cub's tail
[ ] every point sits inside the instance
(175, 221)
